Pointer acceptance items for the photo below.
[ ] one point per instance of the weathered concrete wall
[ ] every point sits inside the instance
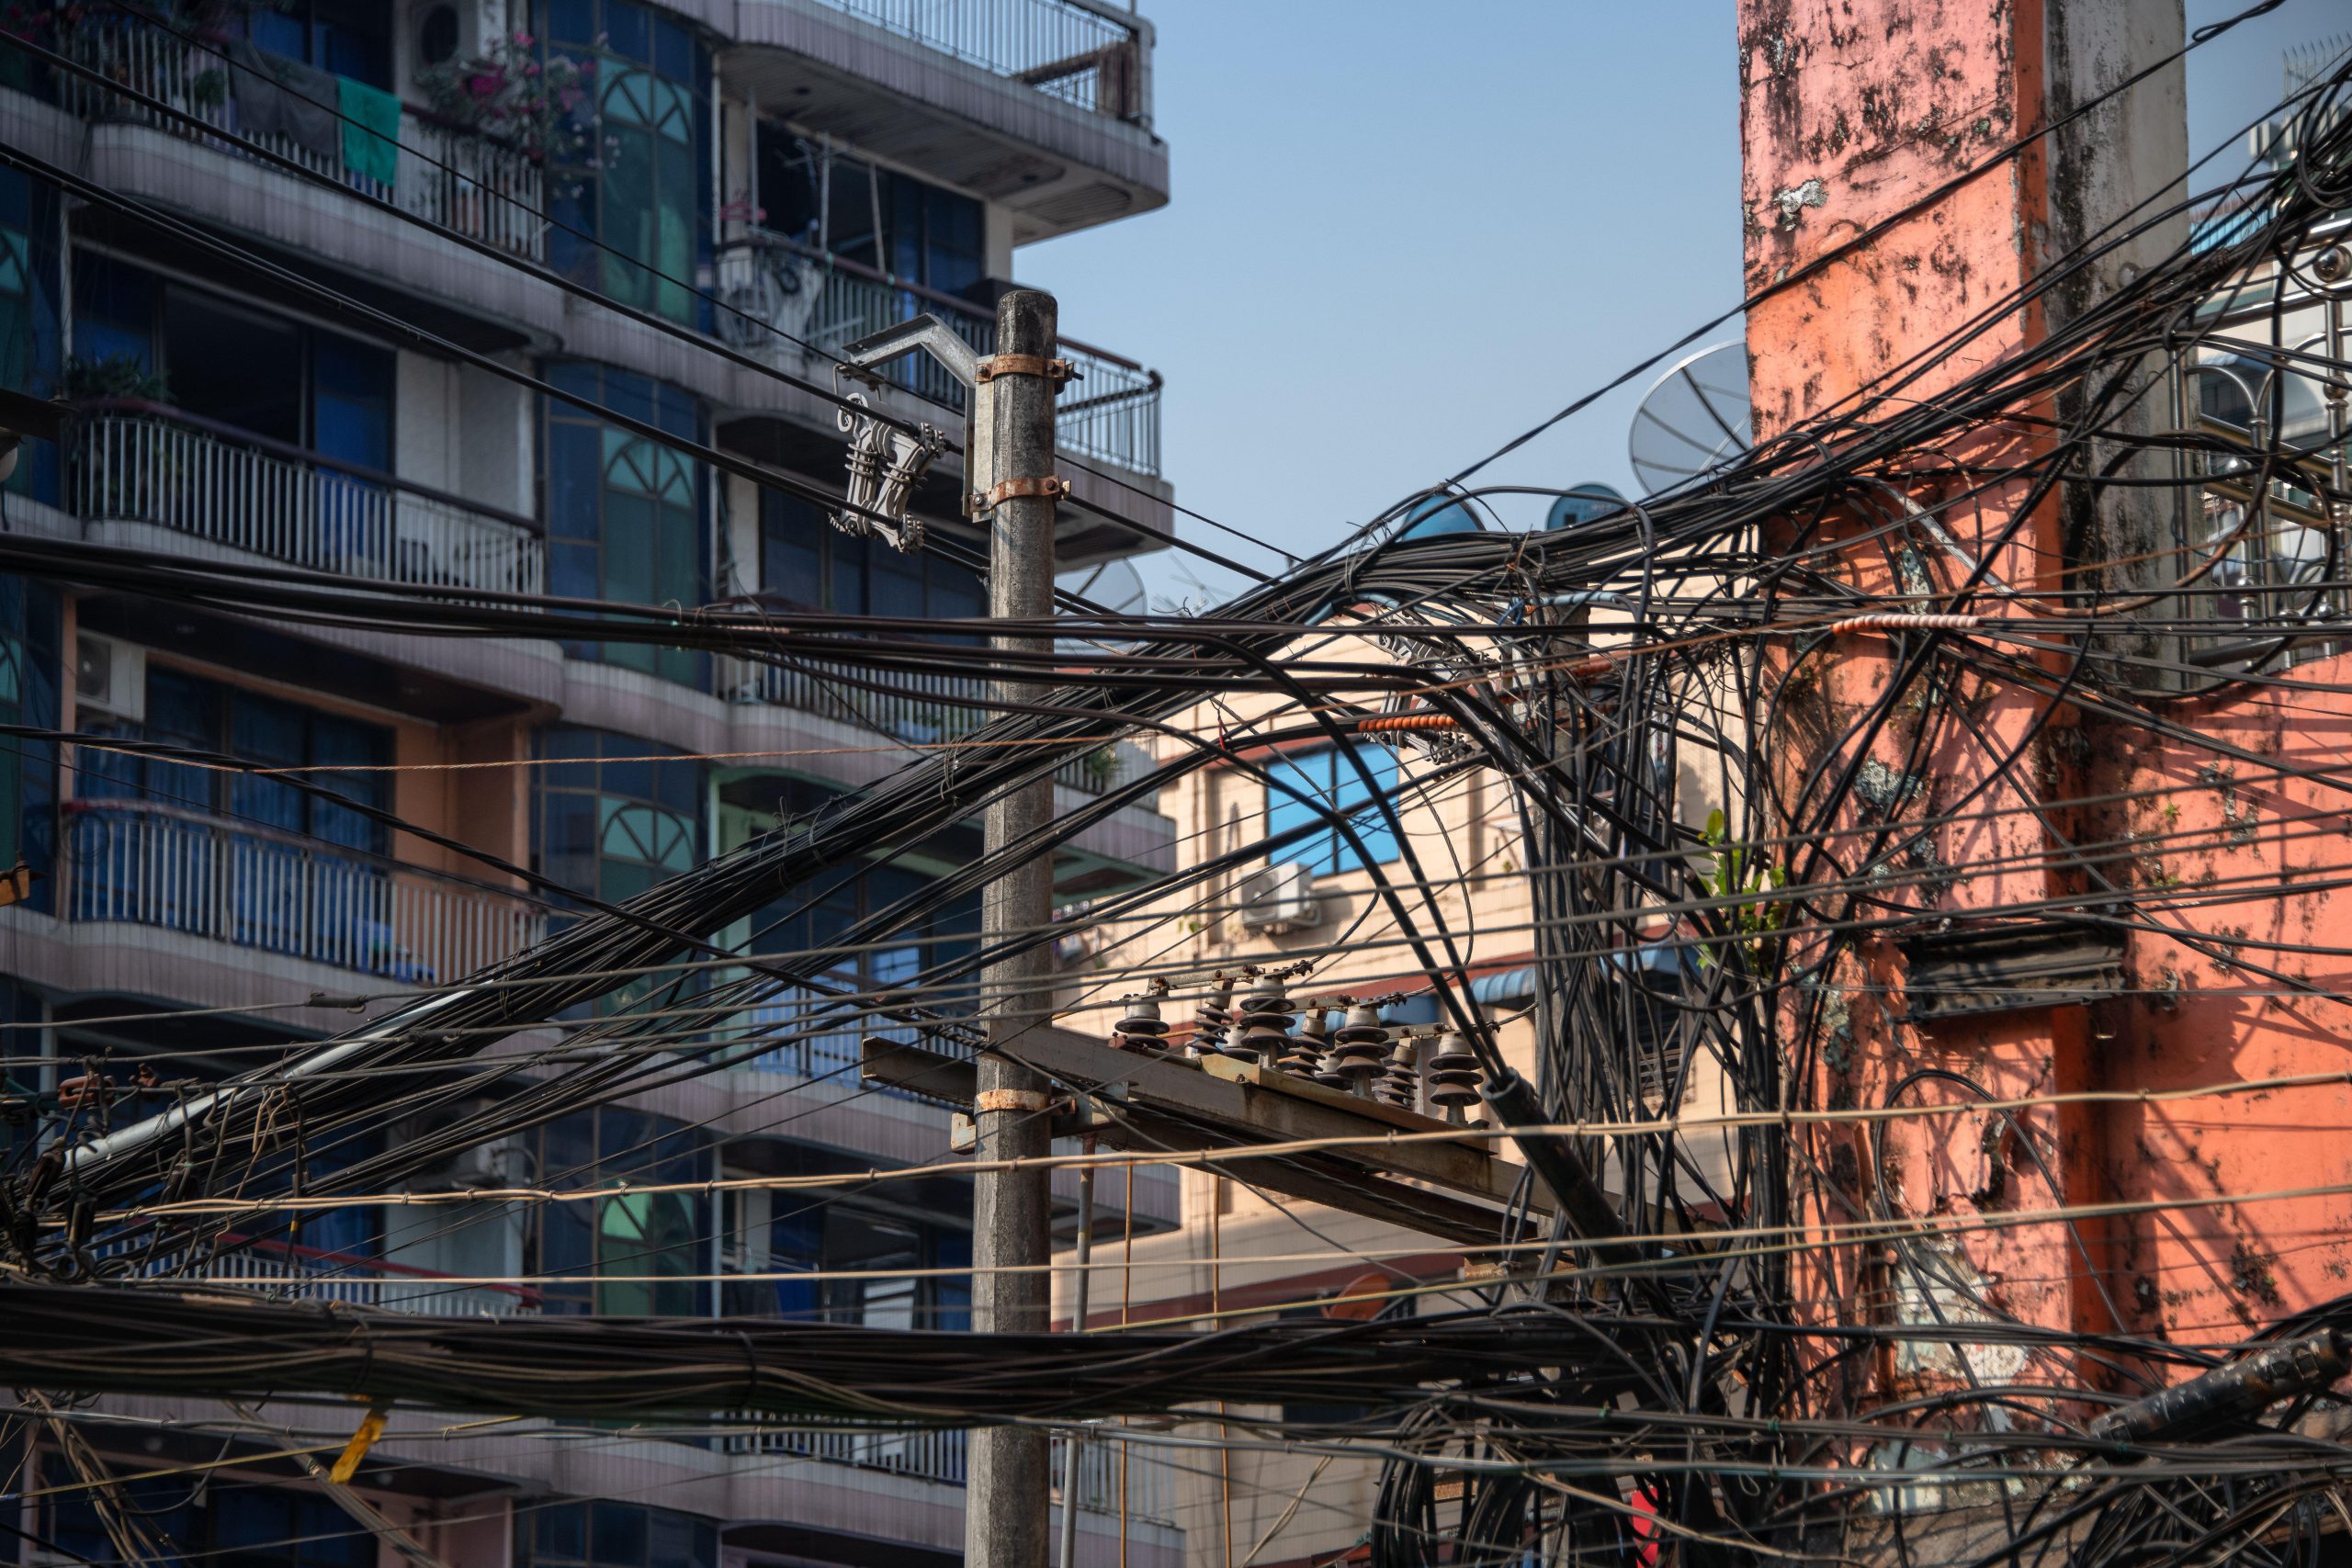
(1883, 121)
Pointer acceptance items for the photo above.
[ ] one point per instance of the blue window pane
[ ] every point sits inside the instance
(563, 1530)
(568, 824)
(1296, 785)
(180, 709)
(1356, 798)
(573, 481)
(633, 779)
(629, 31)
(677, 785)
(571, 571)
(897, 585)
(568, 742)
(673, 51)
(571, 21)
(278, 33)
(679, 414)
(575, 379)
(616, 1533)
(1334, 784)
(629, 395)
(98, 340)
(250, 1516)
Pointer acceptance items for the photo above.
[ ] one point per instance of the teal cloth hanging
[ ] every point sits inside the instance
(371, 131)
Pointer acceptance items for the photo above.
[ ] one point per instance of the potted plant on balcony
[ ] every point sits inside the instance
(124, 480)
(509, 95)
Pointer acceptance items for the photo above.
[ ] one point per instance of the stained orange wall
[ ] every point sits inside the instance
(1852, 114)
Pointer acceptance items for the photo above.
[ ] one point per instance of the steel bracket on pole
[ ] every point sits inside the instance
(894, 469)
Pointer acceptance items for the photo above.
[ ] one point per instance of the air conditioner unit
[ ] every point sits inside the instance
(1280, 899)
(495, 1163)
(109, 678)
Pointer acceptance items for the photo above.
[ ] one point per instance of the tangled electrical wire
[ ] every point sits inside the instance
(1676, 1354)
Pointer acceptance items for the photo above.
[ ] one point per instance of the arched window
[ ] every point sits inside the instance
(633, 214)
(625, 511)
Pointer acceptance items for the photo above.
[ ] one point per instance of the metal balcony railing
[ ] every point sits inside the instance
(143, 864)
(814, 1037)
(307, 1274)
(794, 296)
(145, 463)
(933, 1455)
(284, 1271)
(917, 709)
(1084, 54)
(446, 176)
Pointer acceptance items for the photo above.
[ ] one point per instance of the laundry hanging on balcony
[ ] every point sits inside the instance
(371, 131)
(277, 97)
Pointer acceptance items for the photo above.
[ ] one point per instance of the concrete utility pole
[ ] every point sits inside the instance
(1005, 1494)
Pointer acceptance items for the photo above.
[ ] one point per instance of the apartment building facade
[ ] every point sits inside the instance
(775, 177)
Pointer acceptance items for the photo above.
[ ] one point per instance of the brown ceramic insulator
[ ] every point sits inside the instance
(1262, 1043)
(1359, 1046)
(1453, 1075)
(1400, 1080)
(1268, 1006)
(1213, 1021)
(1142, 1030)
(1304, 1058)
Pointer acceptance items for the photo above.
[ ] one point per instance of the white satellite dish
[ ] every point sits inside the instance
(1114, 584)
(1694, 420)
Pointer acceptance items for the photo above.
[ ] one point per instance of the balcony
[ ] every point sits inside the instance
(919, 710)
(939, 1455)
(1090, 56)
(1110, 415)
(1043, 106)
(144, 463)
(141, 863)
(445, 175)
(286, 1272)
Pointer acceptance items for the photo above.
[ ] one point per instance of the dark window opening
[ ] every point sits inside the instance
(347, 38)
(201, 715)
(807, 563)
(284, 380)
(928, 234)
(625, 511)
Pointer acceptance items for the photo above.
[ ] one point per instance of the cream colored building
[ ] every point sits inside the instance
(1242, 1255)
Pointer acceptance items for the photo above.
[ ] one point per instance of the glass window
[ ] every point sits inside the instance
(29, 349)
(258, 372)
(641, 193)
(604, 1533)
(807, 562)
(613, 825)
(241, 367)
(624, 511)
(930, 235)
(1310, 787)
(29, 695)
(188, 710)
(114, 311)
(653, 1244)
(348, 38)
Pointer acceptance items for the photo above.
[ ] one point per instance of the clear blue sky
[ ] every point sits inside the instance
(1401, 233)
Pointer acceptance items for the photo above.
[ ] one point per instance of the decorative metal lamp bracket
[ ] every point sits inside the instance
(885, 462)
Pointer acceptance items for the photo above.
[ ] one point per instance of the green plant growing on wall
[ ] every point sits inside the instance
(1749, 881)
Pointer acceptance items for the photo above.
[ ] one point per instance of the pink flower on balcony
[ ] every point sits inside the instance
(524, 38)
(485, 85)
